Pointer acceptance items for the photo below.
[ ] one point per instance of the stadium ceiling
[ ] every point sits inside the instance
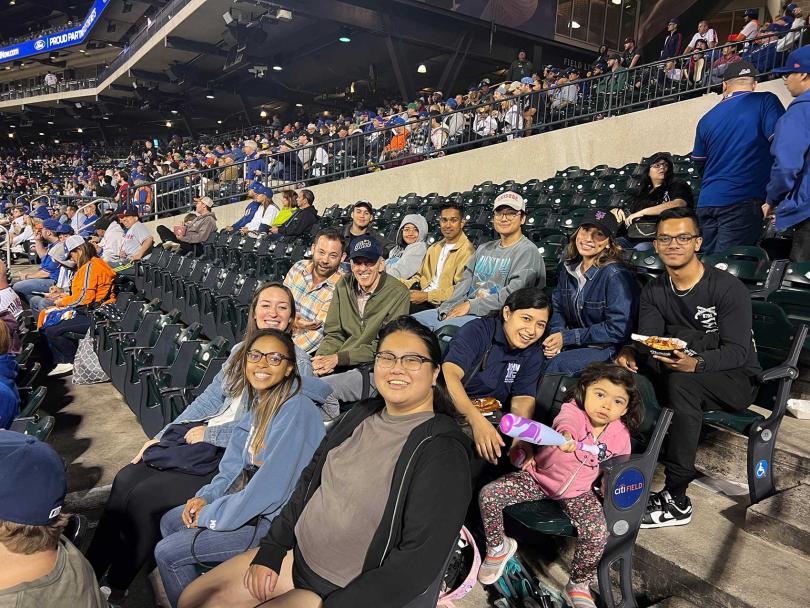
(215, 70)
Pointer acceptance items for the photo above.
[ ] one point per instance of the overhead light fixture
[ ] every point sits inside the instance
(263, 114)
(277, 68)
(575, 25)
(82, 51)
(50, 122)
(11, 135)
(174, 111)
(105, 118)
(209, 96)
(79, 130)
(616, 2)
(169, 123)
(345, 38)
(41, 133)
(299, 105)
(12, 2)
(56, 141)
(12, 126)
(219, 122)
(422, 69)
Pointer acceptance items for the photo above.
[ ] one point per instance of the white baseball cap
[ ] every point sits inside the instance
(510, 199)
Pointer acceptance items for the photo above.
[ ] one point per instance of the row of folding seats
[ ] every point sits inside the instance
(32, 395)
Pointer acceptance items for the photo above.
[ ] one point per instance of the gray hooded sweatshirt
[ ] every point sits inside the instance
(405, 261)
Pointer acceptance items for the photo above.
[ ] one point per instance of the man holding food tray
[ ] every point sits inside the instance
(695, 343)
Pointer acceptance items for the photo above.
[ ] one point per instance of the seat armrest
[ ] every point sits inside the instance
(152, 369)
(779, 372)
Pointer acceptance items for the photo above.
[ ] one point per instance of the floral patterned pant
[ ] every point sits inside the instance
(585, 512)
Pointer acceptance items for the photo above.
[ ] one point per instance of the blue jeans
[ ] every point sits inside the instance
(178, 569)
(571, 362)
(38, 304)
(430, 318)
(25, 287)
(725, 227)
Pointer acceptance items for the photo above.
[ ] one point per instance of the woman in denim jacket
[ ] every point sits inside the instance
(595, 304)
(129, 527)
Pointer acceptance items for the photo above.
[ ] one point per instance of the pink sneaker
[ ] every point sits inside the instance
(492, 567)
(578, 595)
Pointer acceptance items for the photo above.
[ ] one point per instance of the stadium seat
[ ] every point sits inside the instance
(36, 426)
(145, 338)
(647, 265)
(749, 264)
(33, 400)
(231, 313)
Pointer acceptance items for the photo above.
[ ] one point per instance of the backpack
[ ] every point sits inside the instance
(462, 570)
(518, 589)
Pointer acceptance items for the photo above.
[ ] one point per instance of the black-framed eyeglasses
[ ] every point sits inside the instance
(412, 363)
(660, 165)
(682, 239)
(508, 214)
(274, 359)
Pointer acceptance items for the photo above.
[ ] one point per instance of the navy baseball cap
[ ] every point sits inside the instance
(33, 474)
(740, 69)
(64, 229)
(365, 247)
(262, 189)
(602, 219)
(797, 61)
(51, 224)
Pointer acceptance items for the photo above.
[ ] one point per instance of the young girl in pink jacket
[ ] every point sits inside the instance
(605, 409)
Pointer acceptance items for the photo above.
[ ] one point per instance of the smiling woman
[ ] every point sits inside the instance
(342, 539)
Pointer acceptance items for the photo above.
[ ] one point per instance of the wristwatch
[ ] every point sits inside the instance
(701, 364)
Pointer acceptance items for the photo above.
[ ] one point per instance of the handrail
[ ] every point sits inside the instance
(8, 246)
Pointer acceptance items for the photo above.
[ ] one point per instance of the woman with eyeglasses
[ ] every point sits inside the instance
(141, 494)
(660, 190)
(269, 447)
(375, 514)
(498, 358)
(595, 301)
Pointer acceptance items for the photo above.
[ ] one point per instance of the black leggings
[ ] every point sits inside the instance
(129, 528)
(166, 235)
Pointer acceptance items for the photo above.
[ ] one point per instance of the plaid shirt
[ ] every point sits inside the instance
(311, 301)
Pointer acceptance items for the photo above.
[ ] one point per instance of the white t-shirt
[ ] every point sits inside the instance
(710, 36)
(261, 216)
(10, 301)
(134, 239)
(750, 29)
(434, 283)
(112, 241)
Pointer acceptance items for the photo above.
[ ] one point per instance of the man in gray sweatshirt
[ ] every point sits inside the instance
(495, 270)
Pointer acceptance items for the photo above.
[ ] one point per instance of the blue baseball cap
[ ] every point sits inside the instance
(451, 103)
(262, 189)
(33, 474)
(527, 80)
(365, 247)
(797, 61)
(51, 224)
(64, 229)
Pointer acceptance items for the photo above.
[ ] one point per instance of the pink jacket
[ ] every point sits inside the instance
(567, 475)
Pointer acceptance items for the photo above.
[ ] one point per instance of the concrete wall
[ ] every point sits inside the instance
(613, 141)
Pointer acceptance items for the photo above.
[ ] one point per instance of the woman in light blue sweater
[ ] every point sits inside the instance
(268, 449)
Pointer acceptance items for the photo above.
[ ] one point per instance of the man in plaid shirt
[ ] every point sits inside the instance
(312, 283)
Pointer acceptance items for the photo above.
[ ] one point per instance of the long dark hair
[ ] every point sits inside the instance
(442, 404)
(646, 183)
(617, 375)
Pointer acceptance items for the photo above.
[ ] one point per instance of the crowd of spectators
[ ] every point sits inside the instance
(366, 514)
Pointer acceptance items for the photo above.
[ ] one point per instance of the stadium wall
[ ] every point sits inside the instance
(614, 141)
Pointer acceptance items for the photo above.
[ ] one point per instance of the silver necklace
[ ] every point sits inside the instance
(688, 291)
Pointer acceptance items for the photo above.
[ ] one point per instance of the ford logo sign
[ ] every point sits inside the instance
(628, 489)
(39, 44)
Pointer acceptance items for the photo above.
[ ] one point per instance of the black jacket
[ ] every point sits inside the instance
(430, 492)
(300, 222)
(348, 237)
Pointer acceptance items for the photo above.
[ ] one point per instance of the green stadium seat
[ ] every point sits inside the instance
(793, 294)
(36, 426)
(647, 264)
(33, 400)
(749, 264)
(569, 221)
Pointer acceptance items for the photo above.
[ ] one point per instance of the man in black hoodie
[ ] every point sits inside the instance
(302, 221)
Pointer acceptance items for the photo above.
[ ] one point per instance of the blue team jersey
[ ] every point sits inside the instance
(734, 138)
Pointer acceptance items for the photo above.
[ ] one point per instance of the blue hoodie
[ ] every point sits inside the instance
(250, 211)
(289, 444)
(789, 186)
(9, 397)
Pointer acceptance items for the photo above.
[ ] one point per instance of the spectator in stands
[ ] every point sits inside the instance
(631, 56)
(90, 217)
(185, 238)
(729, 56)
(363, 302)
(605, 409)
(789, 184)
(408, 253)
(444, 262)
(618, 78)
(732, 143)
(289, 206)
(705, 33)
(783, 23)
(106, 189)
(751, 28)
(51, 80)
(108, 240)
(362, 215)
(485, 124)
(40, 566)
(601, 56)
(9, 396)
(9, 300)
(137, 242)
(266, 213)
(498, 357)
(520, 67)
(92, 285)
(673, 43)
(46, 243)
(710, 310)
(250, 210)
(142, 494)
(596, 299)
(659, 191)
(303, 220)
(340, 535)
(270, 446)
(312, 283)
(76, 218)
(699, 63)
(254, 168)
(495, 270)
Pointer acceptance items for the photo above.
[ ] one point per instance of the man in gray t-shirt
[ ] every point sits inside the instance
(137, 241)
(495, 270)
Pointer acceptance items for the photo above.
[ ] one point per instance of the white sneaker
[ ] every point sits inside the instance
(61, 369)
(493, 566)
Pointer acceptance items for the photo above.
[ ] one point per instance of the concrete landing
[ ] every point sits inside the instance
(783, 519)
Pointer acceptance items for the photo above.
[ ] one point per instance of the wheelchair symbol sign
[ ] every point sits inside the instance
(761, 469)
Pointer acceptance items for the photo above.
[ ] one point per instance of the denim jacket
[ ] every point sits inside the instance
(603, 313)
(214, 401)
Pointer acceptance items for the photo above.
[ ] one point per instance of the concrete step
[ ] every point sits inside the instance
(715, 563)
(783, 518)
(722, 454)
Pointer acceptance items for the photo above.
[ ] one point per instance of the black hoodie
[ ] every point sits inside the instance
(430, 493)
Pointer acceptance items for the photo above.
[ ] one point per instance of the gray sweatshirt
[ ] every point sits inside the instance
(404, 261)
(493, 272)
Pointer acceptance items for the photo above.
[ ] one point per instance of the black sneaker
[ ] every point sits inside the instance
(663, 511)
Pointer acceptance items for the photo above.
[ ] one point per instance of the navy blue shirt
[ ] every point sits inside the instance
(734, 138)
(508, 371)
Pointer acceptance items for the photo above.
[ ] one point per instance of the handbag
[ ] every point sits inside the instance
(172, 453)
(461, 574)
(86, 367)
(642, 231)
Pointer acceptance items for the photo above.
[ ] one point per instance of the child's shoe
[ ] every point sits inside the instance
(493, 565)
(578, 595)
